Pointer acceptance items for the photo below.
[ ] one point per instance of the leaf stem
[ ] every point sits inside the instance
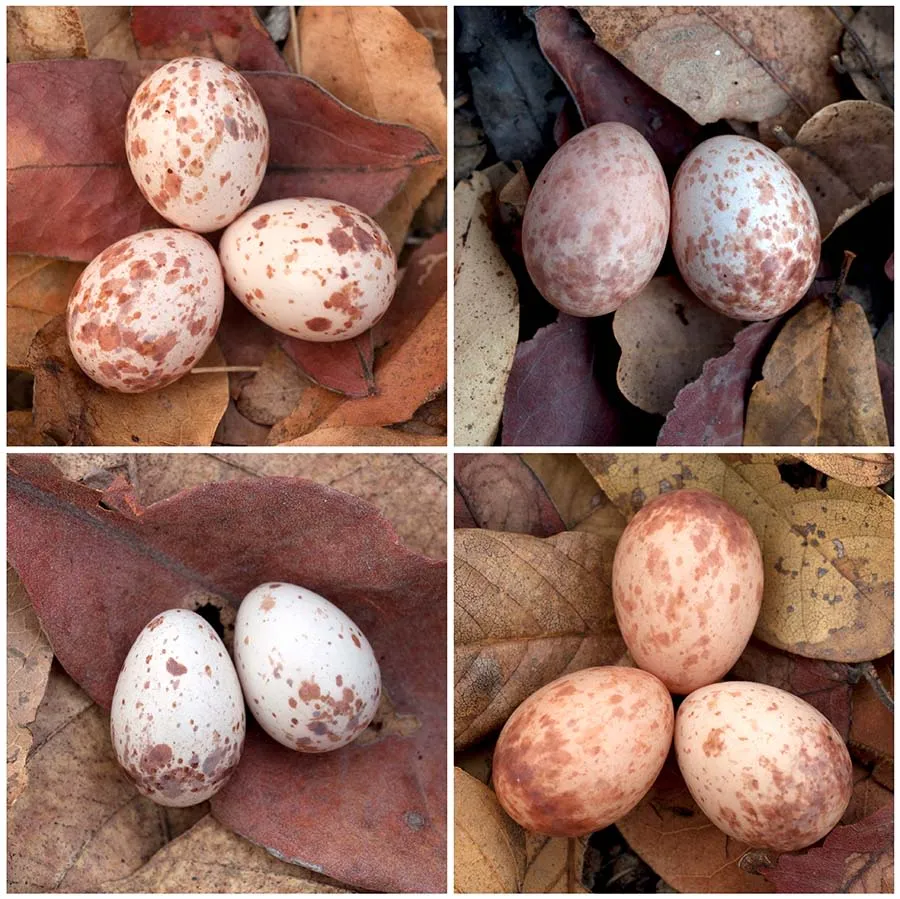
(835, 294)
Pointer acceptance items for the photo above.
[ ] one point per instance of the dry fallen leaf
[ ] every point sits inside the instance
(820, 383)
(526, 610)
(274, 391)
(59, 32)
(547, 864)
(569, 485)
(666, 334)
(861, 469)
(871, 67)
(486, 315)
(844, 155)
(872, 725)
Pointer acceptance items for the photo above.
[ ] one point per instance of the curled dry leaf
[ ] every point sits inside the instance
(666, 334)
(871, 66)
(69, 408)
(710, 411)
(486, 315)
(820, 383)
(861, 469)
(211, 545)
(827, 553)
(527, 610)
(751, 64)
(501, 493)
(844, 155)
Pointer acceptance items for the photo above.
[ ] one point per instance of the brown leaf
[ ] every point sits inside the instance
(666, 334)
(431, 21)
(430, 419)
(844, 155)
(235, 430)
(358, 435)
(44, 32)
(274, 391)
(21, 430)
(547, 864)
(345, 367)
(871, 67)
(108, 31)
(69, 408)
(527, 610)
(861, 469)
(868, 795)
(502, 494)
(820, 383)
(872, 727)
(316, 404)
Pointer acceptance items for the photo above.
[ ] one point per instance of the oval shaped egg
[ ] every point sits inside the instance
(687, 587)
(311, 268)
(597, 220)
(145, 310)
(582, 751)
(197, 141)
(764, 766)
(744, 230)
(309, 674)
(177, 719)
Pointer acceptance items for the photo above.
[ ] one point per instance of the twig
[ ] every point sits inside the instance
(835, 294)
(217, 369)
(871, 675)
(783, 137)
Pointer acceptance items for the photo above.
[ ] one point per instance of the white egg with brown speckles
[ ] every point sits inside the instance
(765, 767)
(177, 719)
(310, 677)
(146, 309)
(197, 141)
(311, 268)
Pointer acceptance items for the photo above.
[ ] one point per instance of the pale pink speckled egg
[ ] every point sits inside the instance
(197, 142)
(310, 676)
(764, 766)
(744, 230)
(177, 720)
(597, 220)
(145, 310)
(583, 751)
(314, 269)
(687, 587)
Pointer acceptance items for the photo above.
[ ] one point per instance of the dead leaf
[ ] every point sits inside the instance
(872, 726)
(527, 610)
(431, 21)
(274, 391)
(358, 435)
(21, 430)
(871, 66)
(44, 32)
(666, 335)
(235, 430)
(844, 155)
(827, 553)
(108, 31)
(547, 864)
(316, 404)
(486, 315)
(861, 469)
(710, 411)
(820, 383)
(345, 367)
(70, 408)
(430, 419)
(868, 795)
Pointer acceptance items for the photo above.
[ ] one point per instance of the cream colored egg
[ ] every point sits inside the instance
(764, 766)
(687, 587)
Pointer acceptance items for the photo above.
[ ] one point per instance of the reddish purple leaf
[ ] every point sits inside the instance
(233, 34)
(710, 411)
(605, 91)
(346, 367)
(371, 814)
(69, 189)
(553, 397)
(462, 516)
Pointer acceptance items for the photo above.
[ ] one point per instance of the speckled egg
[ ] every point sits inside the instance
(744, 231)
(311, 268)
(687, 587)
(582, 751)
(763, 765)
(146, 309)
(177, 719)
(597, 220)
(309, 674)
(197, 142)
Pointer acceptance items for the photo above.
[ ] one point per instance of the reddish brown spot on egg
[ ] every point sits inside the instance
(318, 324)
(174, 667)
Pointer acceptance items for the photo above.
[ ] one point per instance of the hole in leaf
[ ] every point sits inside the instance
(211, 615)
(799, 475)
(105, 506)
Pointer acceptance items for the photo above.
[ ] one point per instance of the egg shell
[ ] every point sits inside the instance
(745, 234)
(146, 309)
(764, 766)
(597, 220)
(311, 268)
(197, 141)
(177, 719)
(309, 674)
(687, 587)
(582, 751)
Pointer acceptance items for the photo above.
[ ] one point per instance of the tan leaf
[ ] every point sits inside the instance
(274, 391)
(21, 430)
(486, 315)
(827, 554)
(236, 430)
(316, 404)
(431, 21)
(208, 858)
(872, 72)
(430, 419)
(44, 32)
(359, 435)
(28, 659)
(107, 30)
(548, 864)
(844, 155)
(820, 383)
(489, 847)
(373, 59)
(666, 334)
(527, 610)
(861, 469)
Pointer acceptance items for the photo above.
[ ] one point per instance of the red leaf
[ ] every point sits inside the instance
(370, 815)
(553, 397)
(345, 367)
(233, 34)
(69, 189)
(710, 411)
(857, 858)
